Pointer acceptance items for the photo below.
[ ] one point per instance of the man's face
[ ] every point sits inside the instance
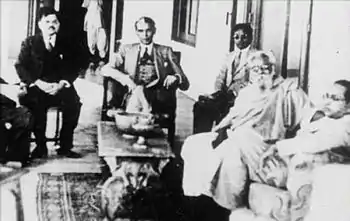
(241, 39)
(145, 32)
(49, 25)
(335, 100)
(261, 74)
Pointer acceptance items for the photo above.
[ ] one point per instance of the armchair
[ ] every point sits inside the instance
(293, 203)
(115, 90)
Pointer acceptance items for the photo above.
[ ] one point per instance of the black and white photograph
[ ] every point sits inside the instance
(175, 110)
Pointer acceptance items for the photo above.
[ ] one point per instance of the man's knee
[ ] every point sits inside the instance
(115, 93)
(70, 99)
(25, 118)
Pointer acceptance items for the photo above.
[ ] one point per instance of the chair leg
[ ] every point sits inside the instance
(57, 127)
(171, 134)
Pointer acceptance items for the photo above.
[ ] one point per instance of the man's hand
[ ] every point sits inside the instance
(273, 167)
(22, 90)
(169, 81)
(56, 88)
(268, 159)
(131, 84)
(44, 86)
(50, 88)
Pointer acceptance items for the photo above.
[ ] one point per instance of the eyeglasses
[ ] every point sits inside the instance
(237, 37)
(334, 97)
(262, 69)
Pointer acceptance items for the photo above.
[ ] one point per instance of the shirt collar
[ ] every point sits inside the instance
(143, 48)
(51, 39)
(244, 50)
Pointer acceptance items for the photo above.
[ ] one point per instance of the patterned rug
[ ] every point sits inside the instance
(69, 196)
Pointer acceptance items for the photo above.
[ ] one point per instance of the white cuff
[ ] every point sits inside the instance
(180, 78)
(66, 83)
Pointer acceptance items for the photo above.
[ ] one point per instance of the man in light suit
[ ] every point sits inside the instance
(151, 65)
(48, 65)
(324, 136)
(233, 76)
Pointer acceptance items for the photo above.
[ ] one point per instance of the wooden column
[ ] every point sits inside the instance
(113, 28)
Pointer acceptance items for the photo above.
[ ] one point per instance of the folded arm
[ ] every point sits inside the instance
(334, 133)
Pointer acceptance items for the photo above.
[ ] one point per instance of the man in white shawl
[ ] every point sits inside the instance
(264, 112)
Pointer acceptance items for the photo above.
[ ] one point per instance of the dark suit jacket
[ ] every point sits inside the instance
(30, 61)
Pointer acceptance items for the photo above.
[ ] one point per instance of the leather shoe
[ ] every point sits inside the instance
(39, 153)
(68, 153)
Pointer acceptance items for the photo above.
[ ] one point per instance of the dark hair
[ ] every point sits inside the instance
(245, 27)
(147, 20)
(346, 85)
(45, 11)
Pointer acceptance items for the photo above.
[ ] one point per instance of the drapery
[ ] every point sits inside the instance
(94, 26)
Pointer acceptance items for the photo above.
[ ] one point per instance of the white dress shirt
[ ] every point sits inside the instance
(143, 48)
(244, 53)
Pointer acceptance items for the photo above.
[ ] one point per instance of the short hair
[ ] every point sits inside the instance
(147, 20)
(45, 11)
(246, 27)
(346, 85)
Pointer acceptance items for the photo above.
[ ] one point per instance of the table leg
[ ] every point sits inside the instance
(112, 163)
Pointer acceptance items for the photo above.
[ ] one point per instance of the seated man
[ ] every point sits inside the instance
(233, 76)
(150, 65)
(324, 136)
(15, 125)
(48, 65)
(264, 111)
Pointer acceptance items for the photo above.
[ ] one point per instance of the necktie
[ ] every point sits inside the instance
(145, 54)
(146, 57)
(49, 45)
(237, 59)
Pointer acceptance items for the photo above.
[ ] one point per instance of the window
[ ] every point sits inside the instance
(185, 21)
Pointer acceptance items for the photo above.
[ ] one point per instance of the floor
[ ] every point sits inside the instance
(85, 143)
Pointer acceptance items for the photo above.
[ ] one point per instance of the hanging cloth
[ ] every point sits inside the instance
(94, 26)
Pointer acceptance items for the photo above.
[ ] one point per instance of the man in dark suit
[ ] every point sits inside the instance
(151, 65)
(15, 125)
(48, 65)
(232, 77)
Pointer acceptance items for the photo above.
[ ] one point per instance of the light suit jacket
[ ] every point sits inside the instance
(230, 79)
(166, 63)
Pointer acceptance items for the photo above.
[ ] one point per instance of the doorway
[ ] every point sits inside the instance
(72, 17)
(284, 27)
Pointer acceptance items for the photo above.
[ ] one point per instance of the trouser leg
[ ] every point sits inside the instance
(71, 106)
(115, 94)
(19, 145)
(36, 102)
(204, 116)
(4, 142)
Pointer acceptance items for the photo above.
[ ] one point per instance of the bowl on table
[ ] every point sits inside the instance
(136, 124)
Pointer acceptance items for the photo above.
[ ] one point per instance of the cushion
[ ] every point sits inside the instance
(269, 201)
